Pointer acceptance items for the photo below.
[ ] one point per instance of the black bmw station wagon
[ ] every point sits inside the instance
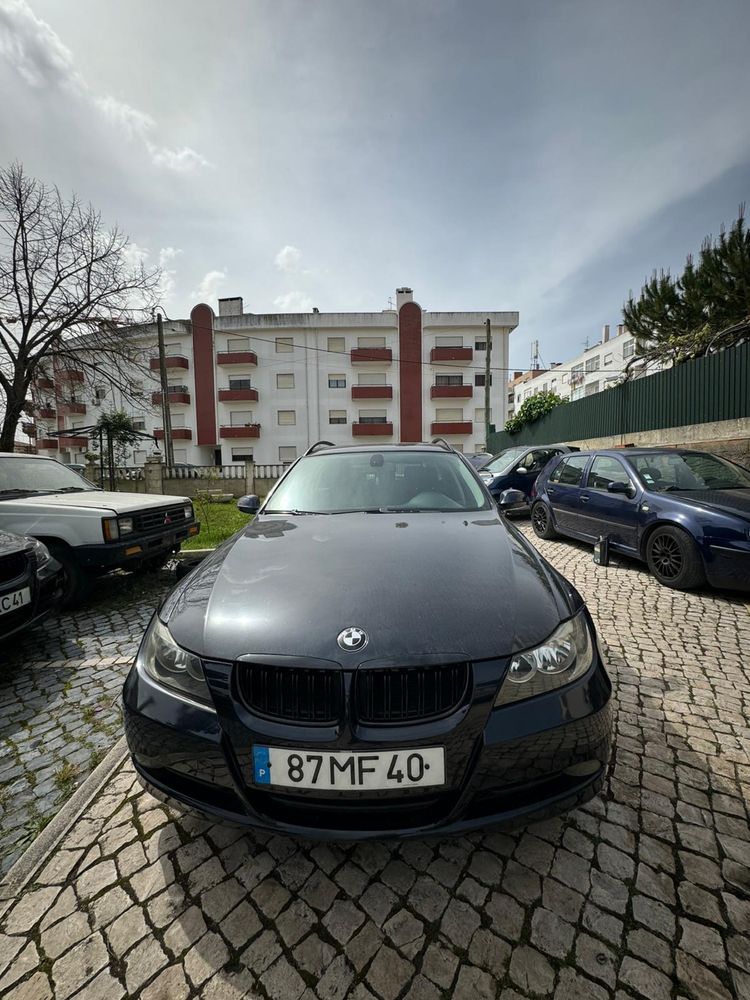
(378, 653)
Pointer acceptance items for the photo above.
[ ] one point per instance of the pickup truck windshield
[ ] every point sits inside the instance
(377, 482)
(20, 476)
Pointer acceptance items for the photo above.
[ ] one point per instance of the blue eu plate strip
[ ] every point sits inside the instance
(261, 766)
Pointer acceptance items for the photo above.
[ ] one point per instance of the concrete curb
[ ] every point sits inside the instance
(39, 850)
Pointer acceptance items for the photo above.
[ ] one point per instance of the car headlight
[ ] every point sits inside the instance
(171, 666)
(561, 659)
(40, 553)
(188, 512)
(126, 525)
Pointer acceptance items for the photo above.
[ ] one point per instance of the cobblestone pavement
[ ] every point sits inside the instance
(644, 892)
(59, 686)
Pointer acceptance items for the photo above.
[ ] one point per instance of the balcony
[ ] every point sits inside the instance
(49, 443)
(382, 355)
(239, 431)
(70, 406)
(451, 354)
(74, 441)
(372, 430)
(42, 382)
(451, 391)
(178, 434)
(175, 395)
(70, 375)
(372, 392)
(236, 358)
(29, 429)
(237, 395)
(174, 361)
(451, 427)
(48, 412)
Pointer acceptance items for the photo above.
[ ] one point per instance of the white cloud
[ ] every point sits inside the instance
(38, 54)
(209, 287)
(288, 259)
(293, 302)
(167, 257)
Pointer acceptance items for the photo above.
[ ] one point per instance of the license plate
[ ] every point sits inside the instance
(343, 771)
(11, 602)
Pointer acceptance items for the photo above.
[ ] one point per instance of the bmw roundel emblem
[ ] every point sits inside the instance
(352, 639)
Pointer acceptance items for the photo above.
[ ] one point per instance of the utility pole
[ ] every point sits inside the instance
(166, 416)
(487, 378)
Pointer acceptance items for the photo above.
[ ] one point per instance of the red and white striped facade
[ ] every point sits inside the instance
(245, 385)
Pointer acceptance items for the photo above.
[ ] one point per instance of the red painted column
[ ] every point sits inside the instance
(202, 318)
(410, 370)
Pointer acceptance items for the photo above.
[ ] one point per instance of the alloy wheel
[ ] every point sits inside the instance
(540, 518)
(667, 556)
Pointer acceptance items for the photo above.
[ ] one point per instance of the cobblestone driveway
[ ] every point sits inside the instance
(645, 892)
(59, 685)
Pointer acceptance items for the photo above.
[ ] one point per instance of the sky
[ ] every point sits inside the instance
(534, 155)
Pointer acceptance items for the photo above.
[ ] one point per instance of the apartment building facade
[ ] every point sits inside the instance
(245, 386)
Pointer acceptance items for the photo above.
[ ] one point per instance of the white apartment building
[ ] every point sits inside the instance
(245, 386)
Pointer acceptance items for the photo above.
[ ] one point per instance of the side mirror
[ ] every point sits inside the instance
(625, 488)
(249, 504)
(522, 469)
(510, 498)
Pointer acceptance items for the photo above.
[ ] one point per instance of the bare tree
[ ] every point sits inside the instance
(68, 288)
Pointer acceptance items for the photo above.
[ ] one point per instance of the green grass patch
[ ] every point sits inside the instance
(218, 522)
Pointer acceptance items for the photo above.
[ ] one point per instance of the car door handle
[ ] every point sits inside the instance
(550, 490)
(584, 499)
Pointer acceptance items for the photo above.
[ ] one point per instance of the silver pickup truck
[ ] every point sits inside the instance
(88, 530)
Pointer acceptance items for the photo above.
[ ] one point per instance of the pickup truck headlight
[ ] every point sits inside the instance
(110, 529)
(171, 666)
(188, 512)
(40, 553)
(560, 660)
(126, 525)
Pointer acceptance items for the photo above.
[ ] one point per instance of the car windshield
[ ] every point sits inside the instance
(662, 471)
(19, 476)
(377, 482)
(503, 462)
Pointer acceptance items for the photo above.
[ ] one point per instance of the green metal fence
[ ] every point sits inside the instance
(716, 387)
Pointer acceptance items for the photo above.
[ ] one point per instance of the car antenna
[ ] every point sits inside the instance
(319, 444)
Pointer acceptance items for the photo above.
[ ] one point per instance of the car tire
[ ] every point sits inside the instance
(541, 521)
(77, 581)
(673, 558)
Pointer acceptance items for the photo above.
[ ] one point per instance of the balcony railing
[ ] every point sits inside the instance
(384, 429)
(239, 431)
(232, 395)
(173, 361)
(50, 444)
(464, 391)
(70, 375)
(451, 354)
(73, 441)
(177, 394)
(69, 406)
(48, 412)
(372, 392)
(42, 382)
(178, 434)
(383, 355)
(236, 358)
(451, 427)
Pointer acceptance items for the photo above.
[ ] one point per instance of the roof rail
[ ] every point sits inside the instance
(319, 444)
(443, 444)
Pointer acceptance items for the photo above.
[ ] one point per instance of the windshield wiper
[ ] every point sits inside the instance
(7, 493)
(73, 489)
(295, 512)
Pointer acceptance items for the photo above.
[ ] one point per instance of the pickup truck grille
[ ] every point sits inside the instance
(162, 517)
(12, 566)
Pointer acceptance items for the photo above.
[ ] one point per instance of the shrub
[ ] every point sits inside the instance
(532, 409)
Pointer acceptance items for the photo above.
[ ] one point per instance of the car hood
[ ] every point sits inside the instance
(118, 503)
(457, 585)
(735, 502)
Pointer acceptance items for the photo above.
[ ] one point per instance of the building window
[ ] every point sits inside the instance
(239, 382)
(139, 425)
(371, 378)
(285, 381)
(177, 419)
(284, 345)
(173, 350)
(373, 417)
(628, 349)
(337, 381)
(287, 453)
(591, 388)
(479, 379)
(136, 388)
(592, 364)
(479, 415)
(511, 397)
(242, 454)
(180, 455)
(608, 359)
(449, 341)
(370, 342)
(449, 414)
(238, 344)
(286, 417)
(337, 345)
(337, 416)
(241, 418)
(449, 380)
(100, 392)
(480, 345)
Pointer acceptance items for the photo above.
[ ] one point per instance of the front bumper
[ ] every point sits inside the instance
(505, 766)
(110, 555)
(47, 592)
(727, 566)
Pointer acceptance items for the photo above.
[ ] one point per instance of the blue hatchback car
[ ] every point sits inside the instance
(517, 469)
(685, 513)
